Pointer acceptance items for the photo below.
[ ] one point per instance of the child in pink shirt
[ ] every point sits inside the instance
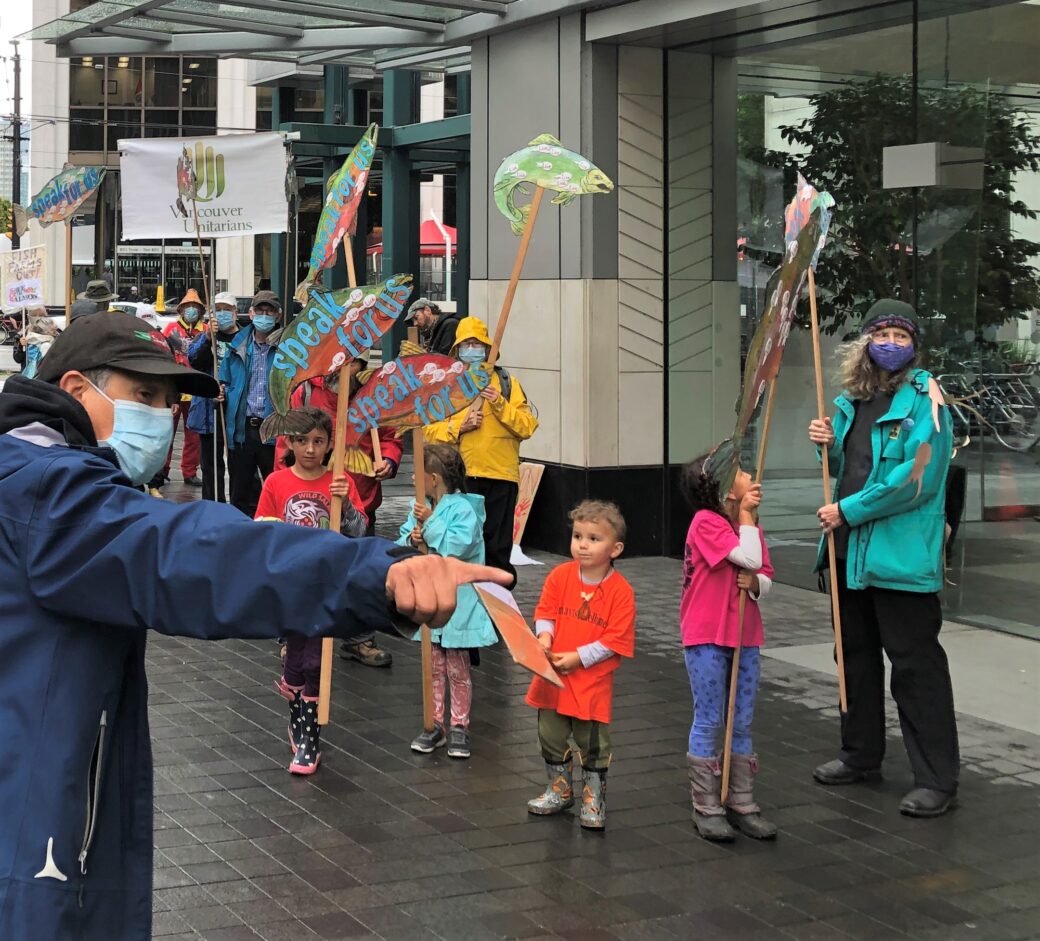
(725, 553)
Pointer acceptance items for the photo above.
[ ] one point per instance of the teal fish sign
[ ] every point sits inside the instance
(545, 162)
(60, 197)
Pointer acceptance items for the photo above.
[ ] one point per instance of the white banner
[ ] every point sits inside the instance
(240, 185)
(21, 278)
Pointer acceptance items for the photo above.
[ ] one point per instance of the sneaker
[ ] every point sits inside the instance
(428, 741)
(367, 653)
(192, 481)
(458, 742)
(155, 492)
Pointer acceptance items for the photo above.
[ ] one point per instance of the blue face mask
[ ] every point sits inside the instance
(890, 356)
(264, 323)
(472, 354)
(225, 319)
(141, 437)
(191, 314)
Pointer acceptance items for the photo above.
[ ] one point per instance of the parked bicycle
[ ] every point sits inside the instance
(1004, 405)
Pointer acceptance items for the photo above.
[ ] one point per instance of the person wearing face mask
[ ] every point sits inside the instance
(889, 449)
(244, 374)
(179, 335)
(323, 392)
(90, 565)
(489, 436)
(202, 416)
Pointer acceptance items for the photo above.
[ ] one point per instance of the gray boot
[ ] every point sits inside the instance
(741, 809)
(558, 795)
(709, 816)
(594, 800)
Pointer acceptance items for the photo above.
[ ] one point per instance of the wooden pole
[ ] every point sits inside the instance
(514, 280)
(727, 751)
(821, 413)
(425, 635)
(348, 254)
(68, 271)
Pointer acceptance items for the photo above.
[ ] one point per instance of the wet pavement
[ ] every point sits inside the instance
(384, 843)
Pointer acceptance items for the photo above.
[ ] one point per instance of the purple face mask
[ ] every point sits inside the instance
(890, 356)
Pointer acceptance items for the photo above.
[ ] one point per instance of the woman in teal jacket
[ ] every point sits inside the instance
(889, 449)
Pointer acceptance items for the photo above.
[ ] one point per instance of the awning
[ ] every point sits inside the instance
(432, 240)
(433, 35)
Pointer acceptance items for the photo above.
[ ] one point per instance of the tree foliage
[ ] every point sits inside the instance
(5, 215)
(973, 272)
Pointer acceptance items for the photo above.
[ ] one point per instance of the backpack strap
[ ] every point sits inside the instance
(505, 381)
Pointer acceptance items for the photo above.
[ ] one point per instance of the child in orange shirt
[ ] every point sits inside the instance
(585, 620)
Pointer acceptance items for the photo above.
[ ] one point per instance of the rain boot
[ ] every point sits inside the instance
(709, 816)
(594, 800)
(308, 748)
(294, 694)
(558, 795)
(741, 809)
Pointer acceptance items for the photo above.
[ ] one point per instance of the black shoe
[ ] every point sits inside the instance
(426, 742)
(192, 482)
(458, 742)
(837, 772)
(925, 802)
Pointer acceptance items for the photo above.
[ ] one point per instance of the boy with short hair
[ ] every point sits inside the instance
(585, 620)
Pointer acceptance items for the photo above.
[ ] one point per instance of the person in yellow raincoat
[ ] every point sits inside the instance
(489, 440)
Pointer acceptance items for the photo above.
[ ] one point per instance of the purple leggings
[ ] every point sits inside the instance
(303, 662)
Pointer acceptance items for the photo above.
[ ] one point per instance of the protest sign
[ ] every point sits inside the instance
(523, 646)
(334, 328)
(60, 197)
(339, 215)
(21, 278)
(237, 180)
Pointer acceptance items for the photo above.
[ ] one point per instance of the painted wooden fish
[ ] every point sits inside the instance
(545, 162)
(334, 328)
(922, 459)
(60, 197)
(408, 392)
(339, 216)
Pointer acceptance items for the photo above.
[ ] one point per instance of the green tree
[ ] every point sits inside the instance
(973, 273)
(5, 215)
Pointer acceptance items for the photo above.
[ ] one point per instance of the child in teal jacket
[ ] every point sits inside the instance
(451, 524)
(889, 449)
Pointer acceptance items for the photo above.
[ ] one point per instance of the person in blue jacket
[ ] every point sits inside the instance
(889, 450)
(244, 373)
(88, 564)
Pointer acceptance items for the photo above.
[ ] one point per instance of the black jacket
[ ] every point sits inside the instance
(442, 336)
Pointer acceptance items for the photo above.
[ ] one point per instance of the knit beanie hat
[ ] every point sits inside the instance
(891, 313)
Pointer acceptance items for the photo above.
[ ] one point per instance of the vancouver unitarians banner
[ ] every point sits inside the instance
(236, 182)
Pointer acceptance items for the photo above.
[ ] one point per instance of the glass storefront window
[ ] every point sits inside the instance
(199, 83)
(197, 123)
(87, 82)
(162, 82)
(162, 122)
(122, 122)
(123, 83)
(86, 130)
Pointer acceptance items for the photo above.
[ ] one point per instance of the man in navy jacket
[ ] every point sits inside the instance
(88, 564)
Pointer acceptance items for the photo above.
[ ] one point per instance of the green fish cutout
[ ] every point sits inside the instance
(545, 162)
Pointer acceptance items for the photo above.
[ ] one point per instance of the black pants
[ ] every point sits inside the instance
(251, 462)
(206, 462)
(500, 509)
(906, 626)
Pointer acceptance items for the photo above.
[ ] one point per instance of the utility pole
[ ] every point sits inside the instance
(16, 135)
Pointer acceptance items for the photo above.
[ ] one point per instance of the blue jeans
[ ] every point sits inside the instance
(709, 667)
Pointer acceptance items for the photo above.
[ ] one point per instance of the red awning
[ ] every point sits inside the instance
(431, 240)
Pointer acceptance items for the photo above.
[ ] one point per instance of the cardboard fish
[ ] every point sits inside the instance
(60, 197)
(512, 627)
(545, 162)
(339, 217)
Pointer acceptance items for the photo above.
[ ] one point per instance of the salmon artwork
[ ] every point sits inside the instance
(806, 223)
(339, 215)
(520, 640)
(334, 328)
(545, 162)
(408, 392)
(60, 197)
(922, 459)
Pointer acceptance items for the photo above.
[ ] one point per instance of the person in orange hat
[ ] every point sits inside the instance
(179, 335)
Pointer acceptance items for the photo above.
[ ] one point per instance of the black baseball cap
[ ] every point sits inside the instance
(266, 297)
(118, 340)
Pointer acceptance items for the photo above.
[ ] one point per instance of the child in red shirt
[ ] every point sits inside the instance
(585, 620)
(725, 555)
(301, 494)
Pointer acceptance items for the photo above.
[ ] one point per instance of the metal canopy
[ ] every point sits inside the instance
(379, 34)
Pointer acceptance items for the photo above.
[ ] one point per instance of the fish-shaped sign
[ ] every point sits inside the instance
(545, 162)
(339, 217)
(408, 392)
(60, 197)
(807, 220)
(514, 630)
(334, 328)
